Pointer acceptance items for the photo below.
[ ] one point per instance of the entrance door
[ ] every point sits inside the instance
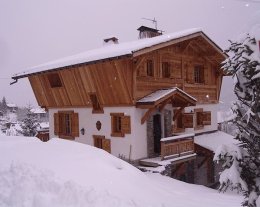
(157, 133)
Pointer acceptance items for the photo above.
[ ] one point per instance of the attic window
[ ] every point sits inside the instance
(199, 74)
(149, 68)
(95, 103)
(54, 80)
(166, 70)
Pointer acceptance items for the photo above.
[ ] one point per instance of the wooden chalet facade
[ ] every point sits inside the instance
(133, 99)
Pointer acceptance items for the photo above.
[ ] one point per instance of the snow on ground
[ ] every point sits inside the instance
(66, 173)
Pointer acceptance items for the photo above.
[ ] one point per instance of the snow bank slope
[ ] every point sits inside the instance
(66, 173)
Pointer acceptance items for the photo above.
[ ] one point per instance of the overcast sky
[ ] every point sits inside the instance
(33, 32)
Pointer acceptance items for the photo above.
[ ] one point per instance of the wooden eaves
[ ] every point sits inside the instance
(177, 98)
(16, 77)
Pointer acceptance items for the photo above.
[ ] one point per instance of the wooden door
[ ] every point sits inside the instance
(157, 133)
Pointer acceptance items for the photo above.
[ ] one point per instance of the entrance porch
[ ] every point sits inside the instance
(163, 107)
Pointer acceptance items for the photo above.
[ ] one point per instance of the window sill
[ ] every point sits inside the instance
(66, 137)
(198, 127)
(117, 134)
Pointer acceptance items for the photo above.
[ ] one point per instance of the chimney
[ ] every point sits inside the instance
(147, 32)
(110, 41)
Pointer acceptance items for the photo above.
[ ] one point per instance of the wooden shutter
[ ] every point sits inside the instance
(75, 124)
(207, 75)
(187, 119)
(106, 145)
(126, 124)
(142, 71)
(56, 124)
(189, 73)
(206, 118)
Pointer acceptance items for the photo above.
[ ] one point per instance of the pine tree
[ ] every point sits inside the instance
(29, 124)
(3, 105)
(242, 164)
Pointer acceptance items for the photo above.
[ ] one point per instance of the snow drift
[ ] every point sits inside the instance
(66, 173)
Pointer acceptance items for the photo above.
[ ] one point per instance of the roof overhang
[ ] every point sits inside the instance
(119, 51)
(162, 97)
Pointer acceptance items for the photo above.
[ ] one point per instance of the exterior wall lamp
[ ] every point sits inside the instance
(82, 131)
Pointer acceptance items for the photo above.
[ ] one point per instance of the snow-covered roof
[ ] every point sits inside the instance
(159, 94)
(213, 140)
(44, 125)
(108, 52)
(11, 105)
(38, 111)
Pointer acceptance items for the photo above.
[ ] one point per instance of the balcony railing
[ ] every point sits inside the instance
(177, 146)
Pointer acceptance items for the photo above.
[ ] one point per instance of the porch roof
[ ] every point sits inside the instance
(175, 96)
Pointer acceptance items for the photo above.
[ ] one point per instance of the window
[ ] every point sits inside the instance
(202, 118)
(149, 68)
(102, 143)
(198, 74)
(182, 121)
(66, 124)
(95, 103)
(54, 80)
(120, 124)
(166, 70)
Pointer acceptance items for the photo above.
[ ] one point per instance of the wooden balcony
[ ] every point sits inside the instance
(177, 146)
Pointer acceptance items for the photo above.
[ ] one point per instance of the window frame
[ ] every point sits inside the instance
(116, 125)
(199, 74)
(65, 124)
(101, 142)
(166, 69)
(150, 68)
(120, 124)
(204, 116)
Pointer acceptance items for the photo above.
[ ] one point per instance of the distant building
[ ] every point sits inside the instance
(11, 108)
(40, 114)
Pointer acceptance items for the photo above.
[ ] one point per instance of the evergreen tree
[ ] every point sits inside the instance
(29, 124)
(3, 105)
(242, 164)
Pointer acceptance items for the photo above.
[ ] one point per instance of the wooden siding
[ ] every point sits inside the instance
(183, 57)
(121, 82)
(111, 81)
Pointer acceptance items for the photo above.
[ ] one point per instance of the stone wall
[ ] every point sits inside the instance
(150, 139)
(167, 123)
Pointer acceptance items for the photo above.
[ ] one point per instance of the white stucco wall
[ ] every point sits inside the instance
(119, 145)
(137, 140)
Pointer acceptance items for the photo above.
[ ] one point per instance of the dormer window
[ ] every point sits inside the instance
(149, 68)
(54, 80)
(166, 70)
(198, 74)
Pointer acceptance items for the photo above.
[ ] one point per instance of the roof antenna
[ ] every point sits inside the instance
(154, 21)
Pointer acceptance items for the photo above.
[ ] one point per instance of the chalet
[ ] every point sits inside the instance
(39, 114)
(142, 99)
(11, 108)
